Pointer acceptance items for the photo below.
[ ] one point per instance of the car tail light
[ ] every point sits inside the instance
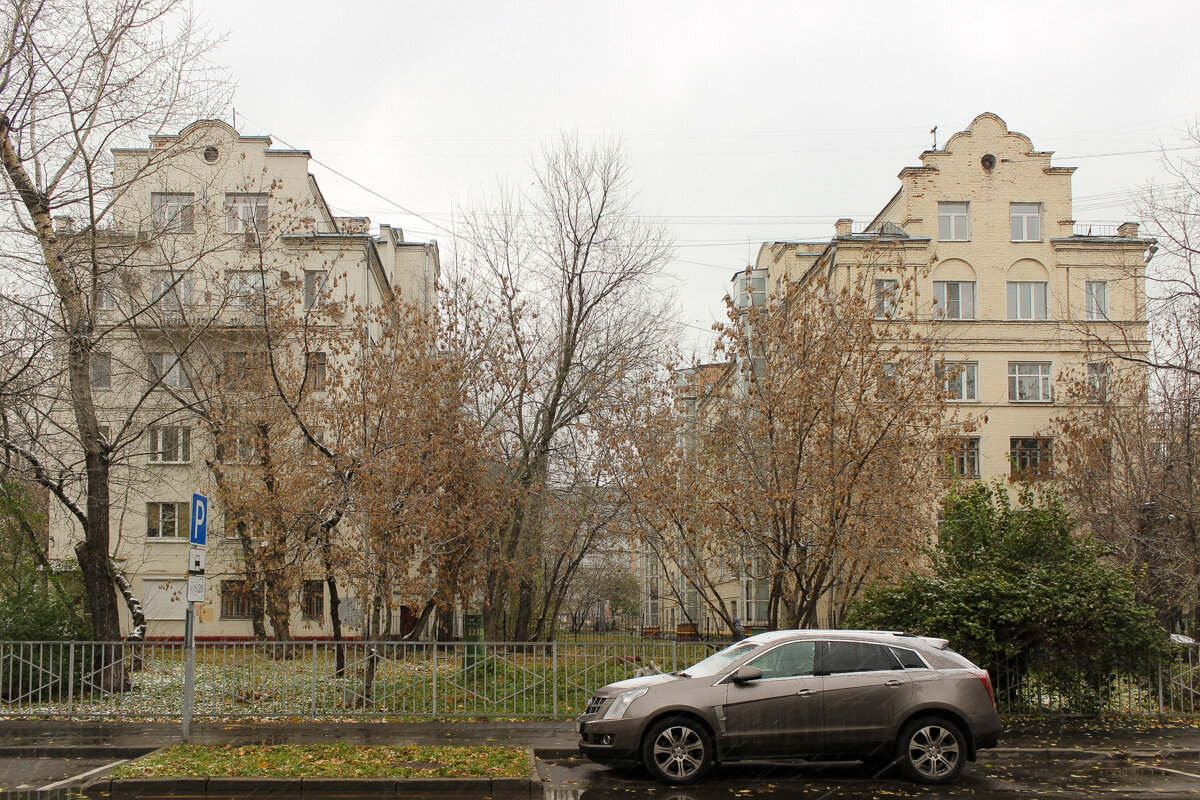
(983, 675)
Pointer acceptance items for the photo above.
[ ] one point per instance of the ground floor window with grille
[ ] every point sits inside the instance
(235, 599)
(961, 454)
(1032, 458)
(167, 520)
(312, 600)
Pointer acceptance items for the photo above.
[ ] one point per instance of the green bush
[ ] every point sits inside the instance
(1013, 585)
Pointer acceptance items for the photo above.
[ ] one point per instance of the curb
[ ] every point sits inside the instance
(312, 788)
(77, 751)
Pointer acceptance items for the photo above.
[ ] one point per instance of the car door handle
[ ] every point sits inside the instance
(894, 682)
(804, 692)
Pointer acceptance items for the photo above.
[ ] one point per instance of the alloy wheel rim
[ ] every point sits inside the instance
(933, 751)
(679, 751)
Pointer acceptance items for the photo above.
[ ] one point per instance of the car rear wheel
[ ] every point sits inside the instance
(677, 750)
(932, 750)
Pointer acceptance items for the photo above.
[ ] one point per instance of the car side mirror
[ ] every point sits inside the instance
(746, 674)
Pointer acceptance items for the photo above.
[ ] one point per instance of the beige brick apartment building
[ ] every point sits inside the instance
(1016, 289)
(224, 220)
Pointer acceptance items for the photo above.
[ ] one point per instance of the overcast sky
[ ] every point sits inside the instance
(745, 121)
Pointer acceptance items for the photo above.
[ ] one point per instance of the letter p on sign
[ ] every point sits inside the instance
(199, 528)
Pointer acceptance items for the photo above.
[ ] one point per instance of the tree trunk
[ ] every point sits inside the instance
(335, 623)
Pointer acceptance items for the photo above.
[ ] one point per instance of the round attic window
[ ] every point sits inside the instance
(210, 154)
(988, 162)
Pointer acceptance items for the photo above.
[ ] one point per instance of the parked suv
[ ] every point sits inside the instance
(876, 696)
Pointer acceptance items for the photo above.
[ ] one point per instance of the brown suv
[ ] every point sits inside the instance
(876, 696)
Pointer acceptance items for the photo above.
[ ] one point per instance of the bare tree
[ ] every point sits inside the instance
(78, 79)
(567, 280)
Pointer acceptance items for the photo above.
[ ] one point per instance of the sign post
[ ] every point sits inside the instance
(198, 538)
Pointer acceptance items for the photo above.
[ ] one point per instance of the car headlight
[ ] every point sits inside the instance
(622, 703)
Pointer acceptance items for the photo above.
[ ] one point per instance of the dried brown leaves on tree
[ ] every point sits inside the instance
(811, 456)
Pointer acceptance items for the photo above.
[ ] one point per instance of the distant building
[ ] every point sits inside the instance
(224, 219)
(1022, 295)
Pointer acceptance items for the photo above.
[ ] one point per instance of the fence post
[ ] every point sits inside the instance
(675, 654)
(314, 679)
(554, 673)
(434, 710)
(1161, 708)
(70, 679)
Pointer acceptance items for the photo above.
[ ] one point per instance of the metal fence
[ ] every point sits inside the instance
(546, 680)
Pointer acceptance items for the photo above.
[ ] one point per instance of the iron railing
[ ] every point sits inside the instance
(426, 680)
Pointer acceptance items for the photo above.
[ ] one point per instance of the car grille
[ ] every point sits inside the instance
(594, 705)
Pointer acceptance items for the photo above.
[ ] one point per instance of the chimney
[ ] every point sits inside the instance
(842, 227)
(1128, 230)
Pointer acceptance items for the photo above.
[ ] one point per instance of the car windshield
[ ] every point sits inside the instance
(717, 662)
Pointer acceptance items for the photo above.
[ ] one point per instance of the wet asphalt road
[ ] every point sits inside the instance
(994, 779)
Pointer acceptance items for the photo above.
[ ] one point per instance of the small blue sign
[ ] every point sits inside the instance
(199, 529)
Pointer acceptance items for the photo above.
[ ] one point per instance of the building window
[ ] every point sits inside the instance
(171, 445)
(243, 370)
(1029, 383)
(316, 371)
(172, 211)
(962, 456)
(101, 370)
(1025, 221)
(314, 288)
(750, 290)
(952, 222)
(312, 600)
(235, 599)
(1032, 458)
(887, 292)
(958, 381)
(1097, 381)
(167, 520)
(246, 212)
(1095, 299)
(245, 288)
(106, 291)
(1027, 300)
(171, 290)
(756, 591)
(954, 299)
(169, 369)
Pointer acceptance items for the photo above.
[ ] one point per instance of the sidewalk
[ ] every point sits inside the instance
(33, 738)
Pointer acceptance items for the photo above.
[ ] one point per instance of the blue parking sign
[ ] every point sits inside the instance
(199, 529)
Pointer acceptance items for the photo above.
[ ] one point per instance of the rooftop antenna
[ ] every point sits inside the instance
(235, 120)
(933, 130)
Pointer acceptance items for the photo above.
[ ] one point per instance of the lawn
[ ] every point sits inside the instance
(329, 761)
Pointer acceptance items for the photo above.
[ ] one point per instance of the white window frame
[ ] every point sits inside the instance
(171, 369)
(954, 221)
(1025, 222)
(170, 289)
(886, 297)
(1028, 300)
(246, 212)
(1095, 300)
(245, 287)
(959, 381)
(1098, 374)
(180, 520)
(1024, 375)
(171, 444)
(173, 211)
(954, 300)
(314, 288)
(101, 370)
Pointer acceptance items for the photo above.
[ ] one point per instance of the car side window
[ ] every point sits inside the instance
(857, 657)
(908, 658)
(791, 660)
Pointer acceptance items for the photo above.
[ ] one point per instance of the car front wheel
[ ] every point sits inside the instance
(932, 750)
(677, 750)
